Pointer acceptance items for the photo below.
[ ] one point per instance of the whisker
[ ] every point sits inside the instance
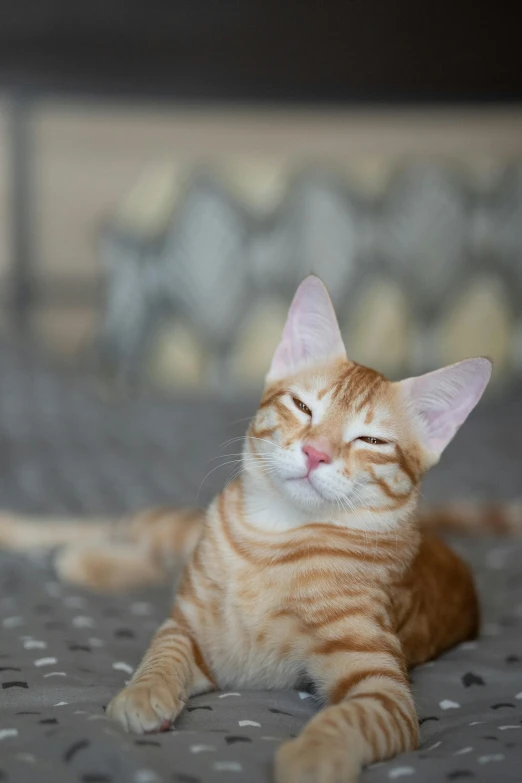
(230, 462)
(231, 440)
(236, 472)
(249, 437)
(241, 454)
(240, 421)
(265, 440)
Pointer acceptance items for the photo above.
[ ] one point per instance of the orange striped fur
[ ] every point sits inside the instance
(349, 597)
(313, 562)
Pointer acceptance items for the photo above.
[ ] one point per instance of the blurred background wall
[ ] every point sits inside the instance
(170, 172)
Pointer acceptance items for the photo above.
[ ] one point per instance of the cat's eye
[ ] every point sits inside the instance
(302, 407)
(372, 440)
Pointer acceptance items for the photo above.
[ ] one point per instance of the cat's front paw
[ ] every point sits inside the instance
(321, 760)
(145, 707)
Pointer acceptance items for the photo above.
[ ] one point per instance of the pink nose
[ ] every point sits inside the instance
(314, 457)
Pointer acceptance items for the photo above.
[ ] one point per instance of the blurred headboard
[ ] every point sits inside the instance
(423, 261)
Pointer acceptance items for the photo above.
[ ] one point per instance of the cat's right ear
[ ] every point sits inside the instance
(311, 334)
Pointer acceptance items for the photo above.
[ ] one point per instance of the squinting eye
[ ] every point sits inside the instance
(373, 441)
(302, 407)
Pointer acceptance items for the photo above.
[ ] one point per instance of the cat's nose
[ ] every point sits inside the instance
(314, 456)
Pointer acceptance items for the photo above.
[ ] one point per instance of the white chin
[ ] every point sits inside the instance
(303, 493)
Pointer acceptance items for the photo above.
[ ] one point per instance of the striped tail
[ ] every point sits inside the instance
(504, 519)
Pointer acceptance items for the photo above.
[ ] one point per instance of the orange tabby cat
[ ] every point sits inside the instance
(311, 563)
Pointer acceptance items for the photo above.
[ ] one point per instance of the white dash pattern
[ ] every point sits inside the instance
(121, 666)
(5, 733)
(400, 772)
(228, 766)
(45, 662)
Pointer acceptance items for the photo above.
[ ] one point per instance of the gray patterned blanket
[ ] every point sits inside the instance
(63, 653)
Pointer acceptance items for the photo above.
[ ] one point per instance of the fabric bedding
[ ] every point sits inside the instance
(64, 652)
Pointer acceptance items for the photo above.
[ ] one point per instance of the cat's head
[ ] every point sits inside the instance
(332, 435)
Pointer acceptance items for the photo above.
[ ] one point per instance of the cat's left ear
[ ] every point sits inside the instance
(439, 402)
(311, 334)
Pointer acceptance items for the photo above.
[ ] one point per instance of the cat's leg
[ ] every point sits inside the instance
(108, 567)
(108, 555)
(370, 714)
(172, 670)
(436, 606)
(103, 555)
(143, 551)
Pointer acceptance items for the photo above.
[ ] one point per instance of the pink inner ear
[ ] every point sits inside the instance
(311, 333)
(442, 400)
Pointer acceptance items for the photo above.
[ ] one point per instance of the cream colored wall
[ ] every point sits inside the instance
(89, 159)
